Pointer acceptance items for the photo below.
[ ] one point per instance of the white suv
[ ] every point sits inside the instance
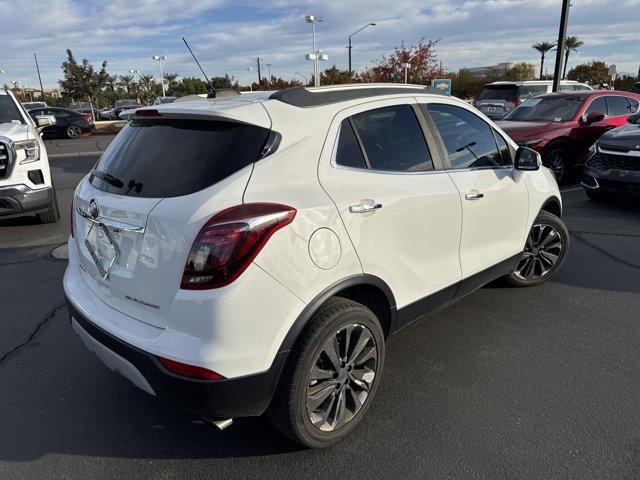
(25, 180)
(253, 254)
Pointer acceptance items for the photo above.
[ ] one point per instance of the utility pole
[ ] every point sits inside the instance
(350, 46)
(259, 76)
(562, 35)
(39, 77)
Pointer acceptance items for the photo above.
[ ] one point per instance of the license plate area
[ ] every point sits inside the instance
(101, 246)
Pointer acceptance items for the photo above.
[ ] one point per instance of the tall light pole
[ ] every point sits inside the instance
(249, 70)
(268, 65)
(160, 59)
(406, 66)
(562, 35)
(306, 79)
(317, 54)
(350, 46)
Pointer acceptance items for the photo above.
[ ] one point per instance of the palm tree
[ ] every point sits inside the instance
(170, 78)
(571, 44)
(126, 81)
(543, 48)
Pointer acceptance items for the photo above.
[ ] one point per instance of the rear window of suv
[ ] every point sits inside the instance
(499, 92)
(170, 158)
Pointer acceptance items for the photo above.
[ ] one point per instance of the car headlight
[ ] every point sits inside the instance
(529, 143)
(31, 150)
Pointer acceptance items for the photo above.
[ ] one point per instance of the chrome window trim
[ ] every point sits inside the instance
(12, 156)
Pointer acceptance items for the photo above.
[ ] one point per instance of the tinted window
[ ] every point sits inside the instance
(618, 106)
(8, 110)
(527, 91)
(546, 109)
(581, 87)
(505, 152)
(349, 153)
(468, 139)
(168, 158)
(392, 139)
(499, 92)
(598, 105)
(633, 104)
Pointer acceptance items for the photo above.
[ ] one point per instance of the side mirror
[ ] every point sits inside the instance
(634, 118)
(591, 118)
(527, 159)
(45, 121)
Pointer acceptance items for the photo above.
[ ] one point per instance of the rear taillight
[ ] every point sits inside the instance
(229, 242)
(191, 371)
(88, 118)
(517, 102)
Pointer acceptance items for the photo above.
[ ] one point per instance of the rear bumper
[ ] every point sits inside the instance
(616, 182)
(237, 397)
(16, 200)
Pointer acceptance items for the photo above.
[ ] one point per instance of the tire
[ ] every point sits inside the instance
(318, 423)
(545, 251)
(51, 214)
(73, 131)
(557, 160)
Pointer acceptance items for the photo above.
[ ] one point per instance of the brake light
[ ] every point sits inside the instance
(517, 102)
(191, 371)
(88, 118)
(229, 241)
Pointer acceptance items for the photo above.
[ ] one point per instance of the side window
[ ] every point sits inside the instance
(633, 105)
(503, 148)
(468, 139)
(349, 153)
(618, 106)
(598, 105)
(392, 139)
(566, 88)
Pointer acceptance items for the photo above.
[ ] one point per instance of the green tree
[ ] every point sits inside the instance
(170, 80)
(571, 44)
(543, 48)
(226, 81)
(521, 72)
(126, 82)
(81, 81)
(421, 57)
(595, 72)
(335, 76)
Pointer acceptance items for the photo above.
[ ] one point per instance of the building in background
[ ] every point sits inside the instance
(489, 70)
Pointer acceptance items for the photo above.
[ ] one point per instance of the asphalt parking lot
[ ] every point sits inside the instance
(508, 383)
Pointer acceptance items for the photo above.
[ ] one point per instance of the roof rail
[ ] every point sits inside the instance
(304, 97)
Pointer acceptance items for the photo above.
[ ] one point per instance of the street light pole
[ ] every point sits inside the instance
(160, 59)
(250, 81)
(562, 35)
(268, 65)
(406, 66)
(313, 19)
(351, 46)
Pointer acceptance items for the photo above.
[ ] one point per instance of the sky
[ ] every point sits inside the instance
(227, 36)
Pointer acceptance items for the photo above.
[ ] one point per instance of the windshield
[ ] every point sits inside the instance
(499, 92)
(9, 111)
(170, 158)
(546, 109)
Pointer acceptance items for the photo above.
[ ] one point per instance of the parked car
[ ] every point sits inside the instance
(84, 108)
(69, 124)
(25, 179)
(162, 100)
(298, 231)
(32, 105)
(562, 126)
(499, 98)
(613, 166)
(125, 104)
(107, 114)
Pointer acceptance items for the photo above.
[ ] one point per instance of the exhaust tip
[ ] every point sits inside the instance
(220, 424)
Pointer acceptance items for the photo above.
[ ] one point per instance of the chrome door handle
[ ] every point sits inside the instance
(474, 196)
(365, 206)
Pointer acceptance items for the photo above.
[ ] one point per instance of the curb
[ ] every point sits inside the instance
(75, 154)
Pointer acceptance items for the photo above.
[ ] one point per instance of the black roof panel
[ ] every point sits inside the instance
(302, 97)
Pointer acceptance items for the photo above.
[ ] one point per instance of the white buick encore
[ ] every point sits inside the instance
(253, 254)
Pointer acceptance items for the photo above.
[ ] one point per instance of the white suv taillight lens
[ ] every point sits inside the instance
(229, 242)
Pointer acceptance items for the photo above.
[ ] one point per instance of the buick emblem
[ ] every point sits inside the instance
(94, 211)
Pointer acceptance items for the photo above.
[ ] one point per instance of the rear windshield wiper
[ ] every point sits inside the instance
(107, 177)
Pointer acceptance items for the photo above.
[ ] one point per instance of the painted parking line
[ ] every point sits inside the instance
(75, 154)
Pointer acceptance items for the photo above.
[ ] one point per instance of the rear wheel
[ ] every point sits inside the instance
(544, 251)
(73, 131)
(557, 160)
(332, 375)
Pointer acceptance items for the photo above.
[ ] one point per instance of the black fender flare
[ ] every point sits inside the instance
(312, 307)
(552, 200)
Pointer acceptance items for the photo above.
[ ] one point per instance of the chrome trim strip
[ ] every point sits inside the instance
(110, 223)
(630, 153)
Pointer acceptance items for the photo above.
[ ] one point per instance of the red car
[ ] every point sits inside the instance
(562, 126)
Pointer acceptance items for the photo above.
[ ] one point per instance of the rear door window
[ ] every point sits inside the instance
(169, 158)
(618, 106)
(392, 139)
(349, 153)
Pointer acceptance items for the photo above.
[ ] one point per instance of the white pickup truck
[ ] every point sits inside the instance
(25, 179)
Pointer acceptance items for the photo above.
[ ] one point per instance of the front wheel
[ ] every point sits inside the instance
(557, 160)
(544, 252)
(332, 375)
(73, 131)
